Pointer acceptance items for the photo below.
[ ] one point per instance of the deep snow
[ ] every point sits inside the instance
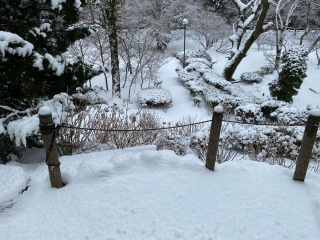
(141, 193)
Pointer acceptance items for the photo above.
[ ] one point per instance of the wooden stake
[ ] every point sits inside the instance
(214, 137)
(49, 141)
(305, 153)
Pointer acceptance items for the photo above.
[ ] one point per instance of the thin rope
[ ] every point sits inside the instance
(133, 130)
(185, 125)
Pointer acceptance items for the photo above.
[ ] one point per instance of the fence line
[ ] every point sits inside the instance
(185, 125)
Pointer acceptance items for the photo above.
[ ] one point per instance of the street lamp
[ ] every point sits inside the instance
(184, 23)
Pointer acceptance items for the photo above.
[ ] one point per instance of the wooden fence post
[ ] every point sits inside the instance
(214, 137)
(48, 135)
(309, 137)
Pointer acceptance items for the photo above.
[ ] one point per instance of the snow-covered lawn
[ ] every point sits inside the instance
(141, 193)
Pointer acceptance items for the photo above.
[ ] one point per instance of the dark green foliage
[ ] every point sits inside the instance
(292, 74)
(20, 81)
(7, 149)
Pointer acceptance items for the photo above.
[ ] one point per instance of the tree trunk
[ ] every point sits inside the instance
(278, 53)
(237, 57)
(111, 14)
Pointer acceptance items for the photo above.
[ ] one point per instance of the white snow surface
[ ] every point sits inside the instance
(314, 112)
(44, 111)
(141, 193)
(6, 38)
(218, 109)
(13, 180)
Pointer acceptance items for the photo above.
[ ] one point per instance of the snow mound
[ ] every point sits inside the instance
(13, 180)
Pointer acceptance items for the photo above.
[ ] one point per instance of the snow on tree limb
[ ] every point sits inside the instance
(6, 41)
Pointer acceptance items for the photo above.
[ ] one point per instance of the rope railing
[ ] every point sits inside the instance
(184, 125)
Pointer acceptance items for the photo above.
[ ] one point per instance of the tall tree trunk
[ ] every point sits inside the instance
(237, 55)
(278, 54)
(111, 14)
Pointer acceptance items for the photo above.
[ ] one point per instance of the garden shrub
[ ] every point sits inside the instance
(251, 77)
(155, 97)
(270, 106)
(266, 69)
(194, 54)
(250, 113)
(294, 67)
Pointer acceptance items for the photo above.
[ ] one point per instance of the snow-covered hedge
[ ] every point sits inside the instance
(250, 113)
(290, 114)
(194, 54)
(251, 77)
(266, 141)
(215, 80)
(270, 106)
(186, 76)
(199, 60)
(154, 97)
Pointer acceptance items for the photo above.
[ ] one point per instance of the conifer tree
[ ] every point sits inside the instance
(294, 66)
(34, 34)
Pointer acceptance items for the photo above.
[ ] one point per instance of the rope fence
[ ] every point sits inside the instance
(185, 125)
(311, 127)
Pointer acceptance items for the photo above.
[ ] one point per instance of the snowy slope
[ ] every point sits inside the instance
(140, 193)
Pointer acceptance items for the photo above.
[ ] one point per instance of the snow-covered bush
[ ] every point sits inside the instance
(251, 77)
(199, 60)
(185, 76)
(107, 118)
(267, 143)
(182, 140)
(270, 106)
(155, 97)
(194, 54)
(87, 95)
(289, 114)
(215, 80)
(199, 67)
(250, 113)
(266, 69)
(294, 67)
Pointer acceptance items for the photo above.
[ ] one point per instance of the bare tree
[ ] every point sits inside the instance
(283, 12)
(208, 27)
(254, 12)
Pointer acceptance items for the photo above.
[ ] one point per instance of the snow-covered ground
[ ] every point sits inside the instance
(141, 193)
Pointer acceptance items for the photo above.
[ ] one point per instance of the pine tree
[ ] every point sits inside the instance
(294, 66)
(34, 34)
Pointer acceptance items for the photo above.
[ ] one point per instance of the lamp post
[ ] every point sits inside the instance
(184, 23)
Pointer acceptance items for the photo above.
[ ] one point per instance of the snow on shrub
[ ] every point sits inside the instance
(199, 67)
(251, 77)
(250, 113)
(270, 106)
(89, 96)
(194, 54)
(290, 114)
(215, 80)
(294, 67)
(266, 69)
(185, 76)
(214, 97)
(61, 107)
(154, 97)
(199, 60)
(266, 143)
